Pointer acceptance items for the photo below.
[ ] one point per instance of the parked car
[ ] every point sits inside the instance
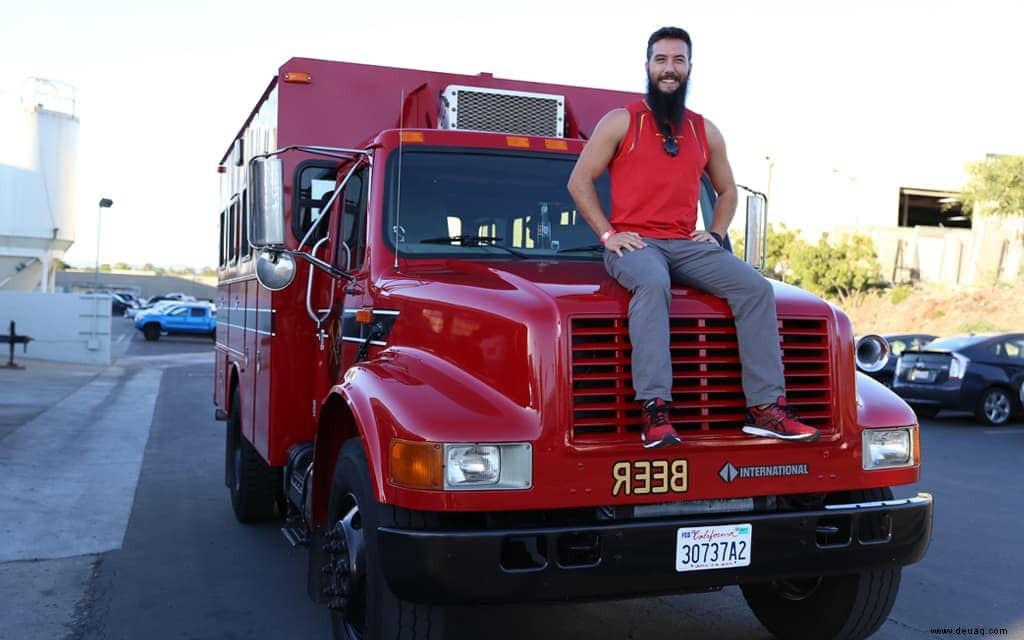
(898, 343)
(979, 373)
(178, 317)
(146, 308)
(120, 302)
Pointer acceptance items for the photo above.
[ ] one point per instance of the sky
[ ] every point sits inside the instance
(798, 87)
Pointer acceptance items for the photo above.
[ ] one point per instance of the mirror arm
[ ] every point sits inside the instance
(317, 262)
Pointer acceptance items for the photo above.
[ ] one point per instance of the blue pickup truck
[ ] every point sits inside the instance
(186, 317)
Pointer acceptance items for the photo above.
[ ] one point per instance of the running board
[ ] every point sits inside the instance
(295, 535)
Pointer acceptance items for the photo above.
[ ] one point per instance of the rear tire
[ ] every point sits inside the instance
(362, 605)
(151, 332)
(251, 481)
(995, 407)
(849, 607)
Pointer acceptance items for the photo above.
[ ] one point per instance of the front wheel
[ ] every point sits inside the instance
(849, 607)
(151, 332)
(995, 407)
(362, 605)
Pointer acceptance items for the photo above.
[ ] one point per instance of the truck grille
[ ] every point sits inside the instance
(706, 389)
(502, 111)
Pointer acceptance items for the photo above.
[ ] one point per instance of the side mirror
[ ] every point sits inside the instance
(266, 189)
(755, 245)
(275, 270)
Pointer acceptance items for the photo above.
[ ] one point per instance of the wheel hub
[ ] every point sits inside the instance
(346, 553)
(997, 408)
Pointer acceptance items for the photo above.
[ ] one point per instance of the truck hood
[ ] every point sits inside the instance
(503, 322)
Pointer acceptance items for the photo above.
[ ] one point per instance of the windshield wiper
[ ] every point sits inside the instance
(585, 247)
(474, 241)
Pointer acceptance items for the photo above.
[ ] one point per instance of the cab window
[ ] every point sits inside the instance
(314, 183)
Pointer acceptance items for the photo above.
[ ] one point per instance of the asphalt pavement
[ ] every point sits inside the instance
(72, 439)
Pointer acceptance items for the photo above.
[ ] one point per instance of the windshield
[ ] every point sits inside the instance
(486, 204)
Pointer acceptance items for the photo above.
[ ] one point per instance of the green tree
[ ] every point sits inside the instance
(838, 268)
(996, 185)
(122, 266)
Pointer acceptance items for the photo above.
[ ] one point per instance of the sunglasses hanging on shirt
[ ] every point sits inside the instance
(669, 144)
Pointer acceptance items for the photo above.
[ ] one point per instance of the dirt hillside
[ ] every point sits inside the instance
(939, 310)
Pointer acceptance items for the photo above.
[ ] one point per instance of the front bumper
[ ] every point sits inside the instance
(624, 559)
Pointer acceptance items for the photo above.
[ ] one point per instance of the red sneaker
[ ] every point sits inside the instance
(657, 431)
(776, 420)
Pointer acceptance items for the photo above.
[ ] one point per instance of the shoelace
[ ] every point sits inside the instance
(774, 415)
(656, 415)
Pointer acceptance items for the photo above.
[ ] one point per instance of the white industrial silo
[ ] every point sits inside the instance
(38, 155)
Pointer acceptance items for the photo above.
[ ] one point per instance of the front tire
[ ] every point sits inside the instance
(251, 481)
(849, 607)
(151, 332)
(362, 605)
(995, 407)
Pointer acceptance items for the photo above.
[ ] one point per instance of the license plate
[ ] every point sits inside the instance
(920, 374)
(718, 547)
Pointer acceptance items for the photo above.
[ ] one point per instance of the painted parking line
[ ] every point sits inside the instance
(1006, 431)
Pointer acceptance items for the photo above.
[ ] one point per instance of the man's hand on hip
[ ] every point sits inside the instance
(701, 235)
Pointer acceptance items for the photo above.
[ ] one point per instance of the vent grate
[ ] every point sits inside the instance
(706, 387)
(500, 111)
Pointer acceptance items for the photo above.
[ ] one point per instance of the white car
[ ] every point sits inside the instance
(157, 306)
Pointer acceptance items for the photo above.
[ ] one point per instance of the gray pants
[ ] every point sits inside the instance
(649, 273)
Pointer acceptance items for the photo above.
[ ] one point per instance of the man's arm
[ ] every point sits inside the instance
(720, 172)
(593, 161)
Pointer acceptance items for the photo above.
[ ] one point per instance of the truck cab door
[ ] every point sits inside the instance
(350, 255)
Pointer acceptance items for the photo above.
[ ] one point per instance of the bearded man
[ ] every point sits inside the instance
(655, 152)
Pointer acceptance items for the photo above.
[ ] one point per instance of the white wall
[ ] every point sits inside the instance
(66, 327)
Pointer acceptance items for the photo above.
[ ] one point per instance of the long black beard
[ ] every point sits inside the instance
(668, 108)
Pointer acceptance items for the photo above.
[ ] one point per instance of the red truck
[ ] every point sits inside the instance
(441, 407)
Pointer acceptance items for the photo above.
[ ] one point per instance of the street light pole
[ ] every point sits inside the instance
(105, 203)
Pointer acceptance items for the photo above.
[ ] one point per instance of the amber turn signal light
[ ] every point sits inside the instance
(417, 465)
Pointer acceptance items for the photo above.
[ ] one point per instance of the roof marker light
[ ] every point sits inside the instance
(297, 77)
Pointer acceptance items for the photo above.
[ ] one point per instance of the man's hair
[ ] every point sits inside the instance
(674, 33)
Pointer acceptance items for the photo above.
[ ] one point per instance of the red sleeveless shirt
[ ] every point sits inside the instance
(653, 193)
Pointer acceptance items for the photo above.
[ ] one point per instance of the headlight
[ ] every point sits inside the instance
(488, 466)
(461, 466)
(889, 448)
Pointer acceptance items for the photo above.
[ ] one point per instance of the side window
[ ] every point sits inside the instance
(313, 180)
(177, 312)
(196, 312)
(232, 239)
(222, 256)
(1014, 349)
(353, 220)
(243, 228)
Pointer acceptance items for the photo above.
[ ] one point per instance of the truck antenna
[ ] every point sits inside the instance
(399, 231)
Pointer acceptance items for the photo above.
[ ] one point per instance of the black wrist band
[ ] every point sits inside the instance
(717, 237)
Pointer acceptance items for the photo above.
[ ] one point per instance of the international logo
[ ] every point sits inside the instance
(730, 472)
